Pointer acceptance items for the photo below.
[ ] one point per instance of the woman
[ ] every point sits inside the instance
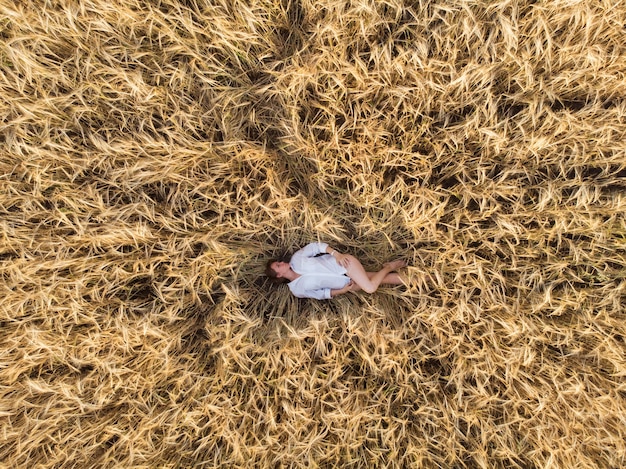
(323, 277)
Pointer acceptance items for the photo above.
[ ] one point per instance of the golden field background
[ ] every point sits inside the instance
(155, 153)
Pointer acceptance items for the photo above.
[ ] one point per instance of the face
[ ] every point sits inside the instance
(281, 268)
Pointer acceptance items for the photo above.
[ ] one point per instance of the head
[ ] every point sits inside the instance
(275, 269)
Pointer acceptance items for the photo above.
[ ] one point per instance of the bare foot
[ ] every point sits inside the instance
(395, 265)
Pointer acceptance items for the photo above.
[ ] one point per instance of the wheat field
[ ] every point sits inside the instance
(155, 153)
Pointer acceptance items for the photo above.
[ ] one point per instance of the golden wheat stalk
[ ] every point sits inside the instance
(155, 154)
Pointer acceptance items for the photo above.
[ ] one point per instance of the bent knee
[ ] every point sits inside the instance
(368, 289)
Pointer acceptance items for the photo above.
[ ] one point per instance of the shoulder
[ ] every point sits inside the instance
(296, 287)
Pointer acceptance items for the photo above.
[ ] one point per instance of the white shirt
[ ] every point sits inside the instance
(318, 275)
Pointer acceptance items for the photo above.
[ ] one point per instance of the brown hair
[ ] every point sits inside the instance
(272, 274)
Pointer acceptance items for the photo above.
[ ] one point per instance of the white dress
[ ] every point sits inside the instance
(318, 275)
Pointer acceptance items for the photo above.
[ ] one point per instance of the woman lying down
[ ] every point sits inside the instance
(311, 275)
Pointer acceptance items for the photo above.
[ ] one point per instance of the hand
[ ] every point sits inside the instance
(350, 287)
(342, 259)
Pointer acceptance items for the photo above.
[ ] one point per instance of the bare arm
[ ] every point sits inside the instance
(330, 250)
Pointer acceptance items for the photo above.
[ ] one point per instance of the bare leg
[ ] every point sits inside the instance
(390, 279)
(370, 283)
